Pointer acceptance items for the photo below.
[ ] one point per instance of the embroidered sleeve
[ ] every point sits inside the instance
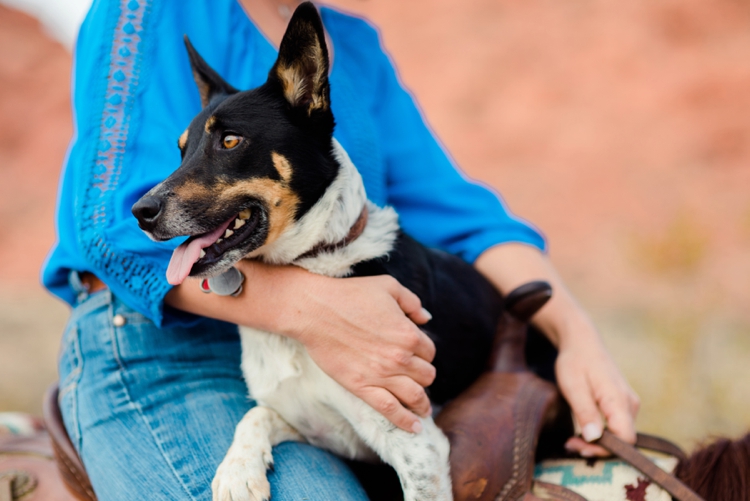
(124, 144)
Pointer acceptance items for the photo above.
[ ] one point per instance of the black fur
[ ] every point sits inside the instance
(267, 122)
(210, 84)
(464, 305)
(465, 310)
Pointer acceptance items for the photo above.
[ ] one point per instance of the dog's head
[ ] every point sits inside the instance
(253, 162)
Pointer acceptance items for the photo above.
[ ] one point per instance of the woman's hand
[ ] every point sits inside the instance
(360, 331)
(587, 375)
(595, 389)
(357, 331)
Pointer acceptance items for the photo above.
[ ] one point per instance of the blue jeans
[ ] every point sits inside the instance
(152, 411)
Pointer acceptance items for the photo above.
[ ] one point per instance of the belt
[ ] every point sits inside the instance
(91, 282)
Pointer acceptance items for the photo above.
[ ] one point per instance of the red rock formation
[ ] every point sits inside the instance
(35, 127)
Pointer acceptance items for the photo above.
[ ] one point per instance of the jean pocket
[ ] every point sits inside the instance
(70, 368)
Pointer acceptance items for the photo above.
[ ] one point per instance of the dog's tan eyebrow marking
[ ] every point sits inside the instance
(183, 139)
(210, 123)
(282, 165)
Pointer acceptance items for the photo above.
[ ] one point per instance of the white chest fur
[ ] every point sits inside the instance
(291, 389)
(281, 375)
(279, 372)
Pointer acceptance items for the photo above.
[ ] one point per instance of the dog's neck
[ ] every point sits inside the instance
(328, 224)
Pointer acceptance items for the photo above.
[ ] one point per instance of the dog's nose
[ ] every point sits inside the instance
(147, 210)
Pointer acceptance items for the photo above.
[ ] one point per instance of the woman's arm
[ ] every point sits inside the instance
(586, 374)
(360, 331)
(441, 208)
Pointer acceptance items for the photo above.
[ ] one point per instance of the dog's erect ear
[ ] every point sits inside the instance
(302, 66)
(210, 84)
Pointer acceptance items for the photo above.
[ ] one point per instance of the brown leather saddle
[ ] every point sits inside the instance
(44, 466)
(494, 428)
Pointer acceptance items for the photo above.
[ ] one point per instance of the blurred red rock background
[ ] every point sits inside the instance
(621, 129)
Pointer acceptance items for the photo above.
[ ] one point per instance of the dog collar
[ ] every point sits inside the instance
(230, 282)
(354, 232)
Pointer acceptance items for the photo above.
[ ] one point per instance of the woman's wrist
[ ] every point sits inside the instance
(565, 323)
(586, 374)
(510, 265)
(270, 299)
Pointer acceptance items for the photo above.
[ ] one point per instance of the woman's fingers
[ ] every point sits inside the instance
(597, 393)
(389, 406)
(410, 394)
(421, 371)
(423, 347)
(407, 301)
(577, 392)
(620, 406)
(585, 449)
(361, 331)
(586, 414)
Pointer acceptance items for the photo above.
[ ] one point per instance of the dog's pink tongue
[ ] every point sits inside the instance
(185, 256)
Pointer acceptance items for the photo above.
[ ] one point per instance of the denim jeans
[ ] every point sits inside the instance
(152, 411)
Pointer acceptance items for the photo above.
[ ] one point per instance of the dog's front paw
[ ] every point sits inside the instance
(243, 478)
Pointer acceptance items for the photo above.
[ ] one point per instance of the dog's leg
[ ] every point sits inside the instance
(241, 476)
(420, 460)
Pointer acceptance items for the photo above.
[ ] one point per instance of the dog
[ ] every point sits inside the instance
(263, 178)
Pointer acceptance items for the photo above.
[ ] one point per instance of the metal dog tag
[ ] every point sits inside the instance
(228, 283)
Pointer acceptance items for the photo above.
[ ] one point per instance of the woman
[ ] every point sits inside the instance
(151, 389)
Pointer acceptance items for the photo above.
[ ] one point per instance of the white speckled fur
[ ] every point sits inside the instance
(291, 390)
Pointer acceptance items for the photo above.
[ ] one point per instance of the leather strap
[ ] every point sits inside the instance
(354, 232)
(658, 444)
(68, 463)
(632, 456)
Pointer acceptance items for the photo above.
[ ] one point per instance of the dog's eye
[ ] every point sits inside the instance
(230, 141)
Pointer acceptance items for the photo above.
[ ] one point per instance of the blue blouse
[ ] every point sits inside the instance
(133, 95)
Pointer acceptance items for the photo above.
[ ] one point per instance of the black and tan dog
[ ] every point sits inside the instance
(262, 178)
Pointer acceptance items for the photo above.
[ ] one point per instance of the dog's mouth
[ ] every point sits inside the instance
(208, 248)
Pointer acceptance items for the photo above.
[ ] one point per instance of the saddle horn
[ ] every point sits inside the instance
(493, 425)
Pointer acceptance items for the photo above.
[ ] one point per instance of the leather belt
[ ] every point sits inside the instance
(91, 282)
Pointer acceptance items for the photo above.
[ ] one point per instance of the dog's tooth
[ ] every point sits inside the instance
(245, 214)
(239, 223)
(228, 233)
(219, 240)
(203, 253)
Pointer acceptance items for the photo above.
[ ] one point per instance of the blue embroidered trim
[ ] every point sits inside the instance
(117, 96)
(569, 476)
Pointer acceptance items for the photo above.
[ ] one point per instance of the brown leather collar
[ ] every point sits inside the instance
(356, 230)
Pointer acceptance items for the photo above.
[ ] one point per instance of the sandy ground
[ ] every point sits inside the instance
(621, 129)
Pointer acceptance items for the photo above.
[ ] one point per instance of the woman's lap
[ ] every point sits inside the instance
(152, 412)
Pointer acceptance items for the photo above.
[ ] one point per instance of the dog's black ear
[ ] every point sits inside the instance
(210, 84)
(302, 65)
